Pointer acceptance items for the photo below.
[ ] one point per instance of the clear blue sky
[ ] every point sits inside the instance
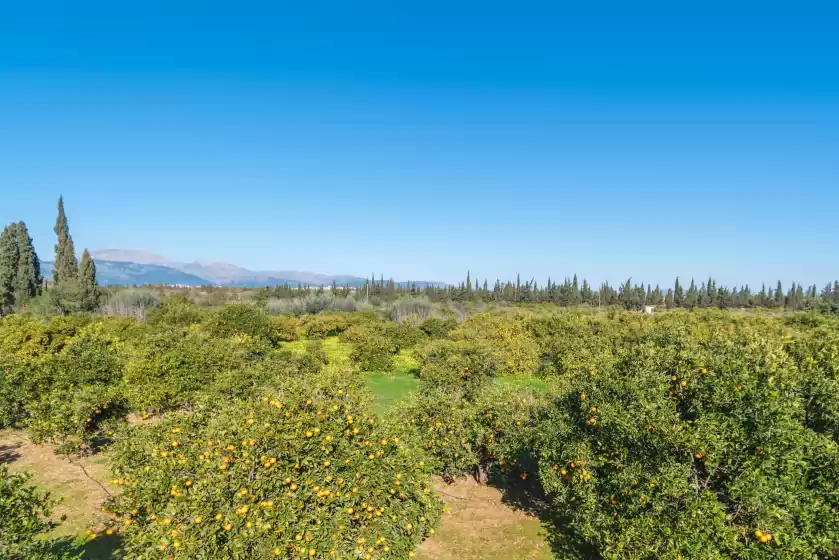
(422, 139)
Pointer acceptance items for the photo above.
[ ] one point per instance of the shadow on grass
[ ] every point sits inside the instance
(103, 547)
(9, 452)
(529, 497)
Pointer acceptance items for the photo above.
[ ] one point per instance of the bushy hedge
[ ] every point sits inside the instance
(304, 471)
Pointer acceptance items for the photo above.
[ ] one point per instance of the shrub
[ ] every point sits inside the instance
(176, 311)
(416, 306)
(172, 366)
(441, 423)
(694, 451)
(305, 471)
(321, 326)
(435, 327)
(577, 342)
(131, 302)
(23, 336)
(243, 319)
(506, 337)
(312, 304)
(371, 351)
(455, 366)
(315, 349)
(71, 396)
(26, 518)
(285, 328)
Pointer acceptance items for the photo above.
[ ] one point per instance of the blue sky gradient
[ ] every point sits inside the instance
(424, 139)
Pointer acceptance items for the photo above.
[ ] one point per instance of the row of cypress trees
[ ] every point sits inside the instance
(73, 287)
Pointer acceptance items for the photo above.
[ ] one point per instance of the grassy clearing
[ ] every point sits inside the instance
(393, 387)
(479, 525)
(80, 485)
(530, 382)
(390, 388)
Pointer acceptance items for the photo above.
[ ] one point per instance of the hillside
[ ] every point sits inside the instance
(132, 267)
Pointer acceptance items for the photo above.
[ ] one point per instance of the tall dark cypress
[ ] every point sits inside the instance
(678, 294)
(89, 289)
(28, 277)
(9, 258)
(65, 268)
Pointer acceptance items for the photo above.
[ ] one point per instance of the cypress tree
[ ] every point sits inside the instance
(9, 257)
(678, 294)
(28, 281)
(65, 268)
(89, 289)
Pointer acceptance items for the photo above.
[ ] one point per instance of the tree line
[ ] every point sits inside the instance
(73, 286)
(572, 292)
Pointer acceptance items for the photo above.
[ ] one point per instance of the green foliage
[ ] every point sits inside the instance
(175, 311)
(505, 337)
(88, 288)
(304, 471)
(442, 424)
(434, 327)
(241, 319)
(372, 351)
(455, 366)
(28, 279)
(577, 342)
(321, 326)
(692, 449)
(9, 258)
(285, 328)
(25, 518)
(65, 267)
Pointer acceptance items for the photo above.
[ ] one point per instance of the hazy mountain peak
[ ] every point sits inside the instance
(130, 255)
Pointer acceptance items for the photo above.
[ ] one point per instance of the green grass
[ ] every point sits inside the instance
(393, 387)
(390, 388)
(526, 381)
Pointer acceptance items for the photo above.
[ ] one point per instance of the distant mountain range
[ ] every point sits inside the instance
(131, 267)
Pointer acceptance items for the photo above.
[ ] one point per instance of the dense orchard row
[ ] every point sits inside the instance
(680, 435)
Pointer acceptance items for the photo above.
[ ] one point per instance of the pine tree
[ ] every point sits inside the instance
(89, 289)
(9, 258)
(468, 284)
(65, 268)
(28, 278)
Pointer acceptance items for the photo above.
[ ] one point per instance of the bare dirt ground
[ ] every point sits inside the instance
(479, 525)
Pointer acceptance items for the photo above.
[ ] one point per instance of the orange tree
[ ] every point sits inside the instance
(304, 471)
(506, 337)
(70, 396)
(321, 326)
(692, 447)
(25, 518)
